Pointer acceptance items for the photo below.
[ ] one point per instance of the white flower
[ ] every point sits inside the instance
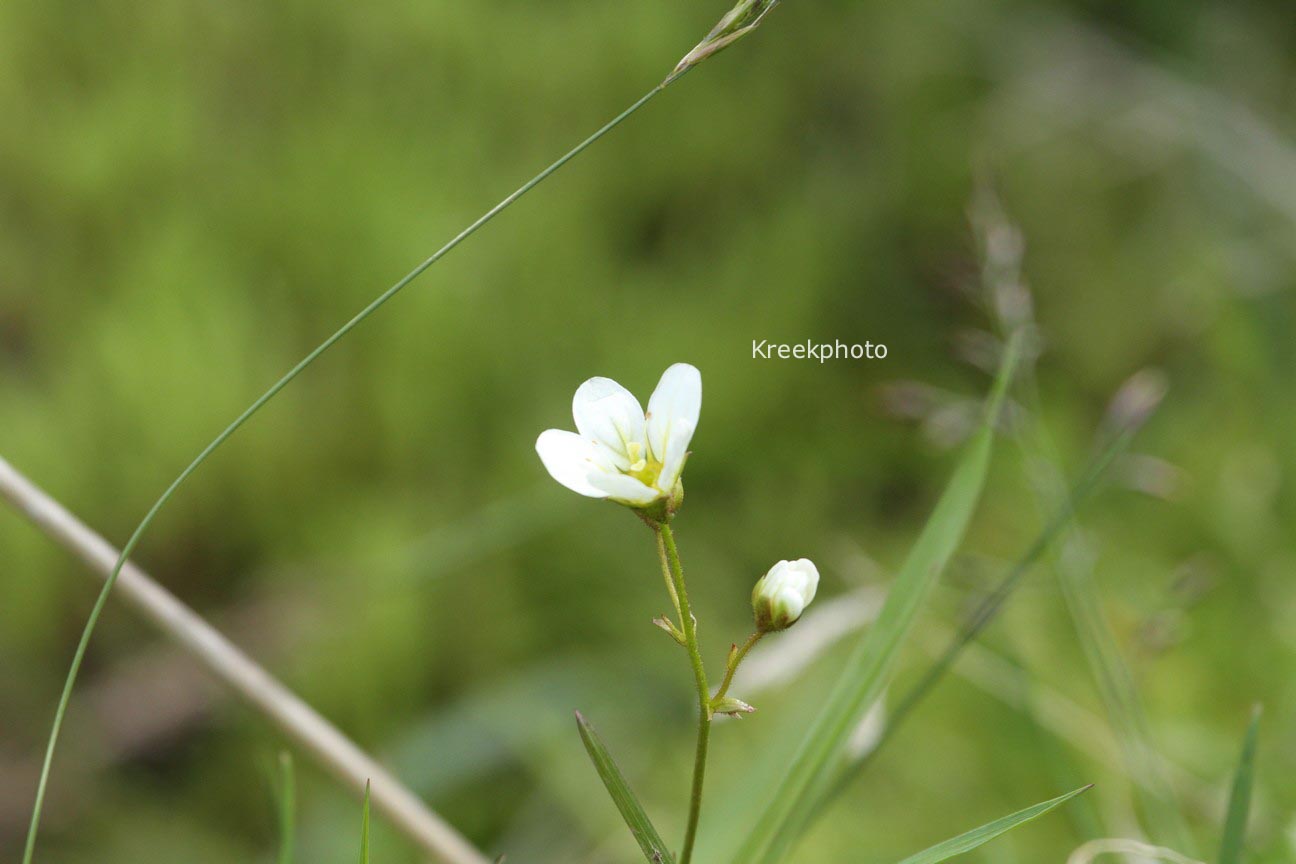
(783, 593)
(618, 451)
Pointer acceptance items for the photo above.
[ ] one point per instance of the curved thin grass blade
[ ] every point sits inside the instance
(453, 847)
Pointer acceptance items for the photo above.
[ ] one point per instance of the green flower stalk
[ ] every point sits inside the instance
(737, 23)
(635, 457)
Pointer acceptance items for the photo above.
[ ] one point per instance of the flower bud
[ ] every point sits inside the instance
(782, 594)
(745, 17)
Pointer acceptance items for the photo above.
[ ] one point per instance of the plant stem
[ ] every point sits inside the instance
(671, 555)
(256, 406)
(297, 720)
(666, 575)
(734, 663)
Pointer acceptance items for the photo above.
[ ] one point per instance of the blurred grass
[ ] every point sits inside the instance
(812, 777)
(192, 195)
(364, 829)
(286, 805)
(1233, 841)
(977, 837)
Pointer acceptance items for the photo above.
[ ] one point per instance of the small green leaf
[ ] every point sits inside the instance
(631, 811)
(1240, 800)
(987, 832)
(364, 828)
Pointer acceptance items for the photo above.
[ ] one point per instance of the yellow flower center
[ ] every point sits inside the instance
(643, 467)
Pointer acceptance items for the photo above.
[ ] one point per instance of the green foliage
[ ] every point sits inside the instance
(987, 832)
(286, 804)
(1234, 840)
(364, 828)
(869, 669)
(255, 407)
(193, 194)
(654, 849)
(1107, 666)
(989, 608)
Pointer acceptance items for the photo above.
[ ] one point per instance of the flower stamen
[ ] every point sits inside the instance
(636, 450)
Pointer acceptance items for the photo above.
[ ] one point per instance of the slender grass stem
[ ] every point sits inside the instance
(252, 409)
(671, 555)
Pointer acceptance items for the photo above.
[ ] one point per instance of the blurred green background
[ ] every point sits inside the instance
(192, 195)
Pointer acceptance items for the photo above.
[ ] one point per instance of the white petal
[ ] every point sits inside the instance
(610, 414)
(571, 460)
(681, 433)
(678, 397)
(810, 576)
(799, 578)
(627, 490)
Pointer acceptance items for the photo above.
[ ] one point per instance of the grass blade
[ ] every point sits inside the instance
(1122, 704)
(989, 608)
(364, 829)
(1112, 676)
(816, 764)
(1071, 561)
(987, 832)
(1240, 799)
(631, 811)
(287, 801)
